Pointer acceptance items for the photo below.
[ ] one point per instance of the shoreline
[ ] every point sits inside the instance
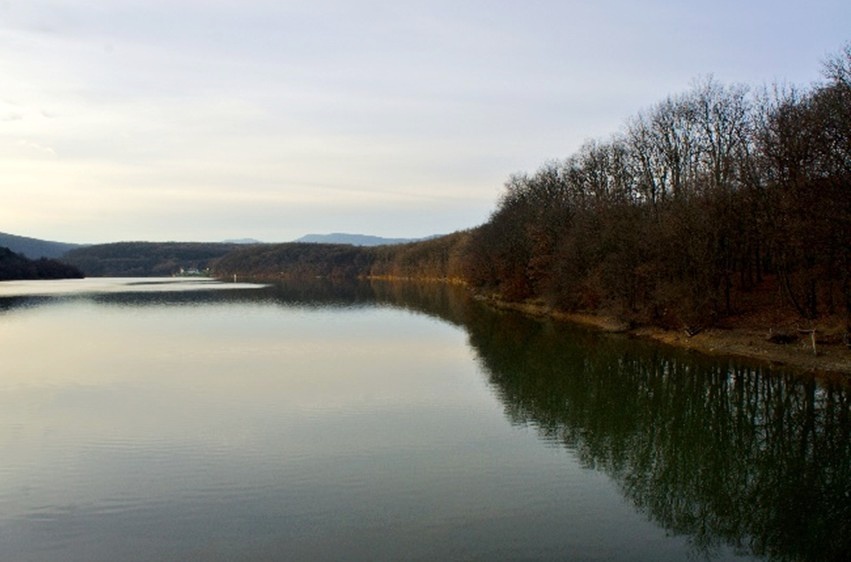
(737, 337)
(831, 362)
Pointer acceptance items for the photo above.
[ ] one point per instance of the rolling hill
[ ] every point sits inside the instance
(34, 248)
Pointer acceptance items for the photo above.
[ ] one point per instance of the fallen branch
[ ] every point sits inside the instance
(692, 330)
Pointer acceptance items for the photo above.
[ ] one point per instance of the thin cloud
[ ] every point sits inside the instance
(36, 147)
(323, 111)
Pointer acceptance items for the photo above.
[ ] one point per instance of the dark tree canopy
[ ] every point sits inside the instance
(15, 266)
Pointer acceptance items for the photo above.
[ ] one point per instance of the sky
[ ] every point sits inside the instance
(208, 120)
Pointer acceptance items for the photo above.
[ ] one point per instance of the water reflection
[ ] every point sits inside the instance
(307, 294)
(721, 452)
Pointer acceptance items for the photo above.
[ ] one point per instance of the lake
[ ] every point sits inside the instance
(183, 419)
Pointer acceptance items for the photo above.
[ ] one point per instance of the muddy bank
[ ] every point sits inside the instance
(740, 337)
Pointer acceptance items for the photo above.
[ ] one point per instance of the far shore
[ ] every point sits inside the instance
(831, 360)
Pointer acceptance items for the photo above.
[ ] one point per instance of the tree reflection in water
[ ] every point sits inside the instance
(722, 452)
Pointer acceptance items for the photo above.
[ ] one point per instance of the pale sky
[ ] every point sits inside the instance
(214, 119)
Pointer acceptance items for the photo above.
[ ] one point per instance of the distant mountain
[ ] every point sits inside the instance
(242, 241)
(34, 248)
(352, 239)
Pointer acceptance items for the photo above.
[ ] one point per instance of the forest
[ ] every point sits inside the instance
(713, 202)
(145, 259)
(16, 266)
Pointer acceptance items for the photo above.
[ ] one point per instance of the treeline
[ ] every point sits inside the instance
(444, 258)
(696, 203)
(440, 258)
(15, 266)
(145, 259)
(701, 202)
(295, 259)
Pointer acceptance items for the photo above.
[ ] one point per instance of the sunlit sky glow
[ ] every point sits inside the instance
(215, 119)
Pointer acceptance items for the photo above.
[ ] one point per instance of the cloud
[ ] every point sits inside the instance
(328, 112)
(30, 145)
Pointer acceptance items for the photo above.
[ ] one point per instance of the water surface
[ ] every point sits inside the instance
(188, 420)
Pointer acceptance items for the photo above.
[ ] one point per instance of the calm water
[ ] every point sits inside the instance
(184, 420)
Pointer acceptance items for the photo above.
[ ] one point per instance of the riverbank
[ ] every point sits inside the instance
(746, 336)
